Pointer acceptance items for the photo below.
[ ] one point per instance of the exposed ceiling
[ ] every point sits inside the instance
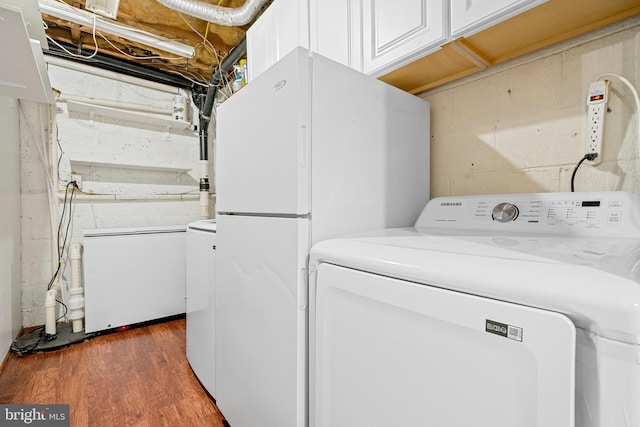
(212, 42)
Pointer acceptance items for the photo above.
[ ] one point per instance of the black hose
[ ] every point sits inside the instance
(206, 106)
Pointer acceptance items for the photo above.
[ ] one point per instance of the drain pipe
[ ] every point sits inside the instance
(76, 300)
(206, 107)
(221, 15)
(50, 327)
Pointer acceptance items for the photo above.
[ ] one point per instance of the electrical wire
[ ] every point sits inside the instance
(207, 44)
(636, 97)
(29, 348)
(170, 58)
(43, 336)
(75, 55)
(588, 156)
(66, 310)
(61, 248)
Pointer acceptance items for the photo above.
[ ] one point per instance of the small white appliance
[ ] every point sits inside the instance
(201, 267)
(307, 151)
(133, 275)
(498, 311)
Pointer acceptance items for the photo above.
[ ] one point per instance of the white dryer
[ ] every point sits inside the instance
(200, 266)
(493, 311)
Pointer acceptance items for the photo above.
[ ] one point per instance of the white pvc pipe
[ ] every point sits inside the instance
(76, 300)
(204, 205)
(50, 310)
(91, 197)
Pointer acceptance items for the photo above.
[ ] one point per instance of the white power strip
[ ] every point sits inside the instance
(597, 105)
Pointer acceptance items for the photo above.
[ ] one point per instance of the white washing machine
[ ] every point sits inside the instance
(200, 266)
(493, 311)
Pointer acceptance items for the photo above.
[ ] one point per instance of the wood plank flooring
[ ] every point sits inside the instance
(134, 378)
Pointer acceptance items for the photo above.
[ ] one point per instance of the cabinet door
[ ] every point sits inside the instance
(335, 31)
(395, 33)
(471, 16)
(280, 29)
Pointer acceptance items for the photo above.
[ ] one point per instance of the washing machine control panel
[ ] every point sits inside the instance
(602, 213)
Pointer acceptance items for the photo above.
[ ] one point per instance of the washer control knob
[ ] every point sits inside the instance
(505, 212)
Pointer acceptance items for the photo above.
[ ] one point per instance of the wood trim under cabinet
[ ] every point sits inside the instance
(542, 26)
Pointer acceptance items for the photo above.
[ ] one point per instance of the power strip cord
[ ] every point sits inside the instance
(588, 156)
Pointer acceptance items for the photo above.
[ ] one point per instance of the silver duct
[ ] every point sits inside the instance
(221, 15)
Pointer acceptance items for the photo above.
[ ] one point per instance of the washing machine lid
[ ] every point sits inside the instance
(595, 294)
(206, 225)
(590, 275)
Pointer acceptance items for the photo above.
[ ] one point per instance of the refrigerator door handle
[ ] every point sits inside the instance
(303, 152)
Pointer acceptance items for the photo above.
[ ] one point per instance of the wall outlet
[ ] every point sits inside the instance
(597, 108)
(78, 179)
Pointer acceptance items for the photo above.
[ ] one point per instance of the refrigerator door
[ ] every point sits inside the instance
(262, 153)
(370, 153)
(261, 294)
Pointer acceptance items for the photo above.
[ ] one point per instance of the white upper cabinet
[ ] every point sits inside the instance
(335, 28)
(395, 33)
(371, 36)
(23, 74)
(470, 16)
(280, 29)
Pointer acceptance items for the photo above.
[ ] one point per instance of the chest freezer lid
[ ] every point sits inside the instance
(598, 290)
(103, 232)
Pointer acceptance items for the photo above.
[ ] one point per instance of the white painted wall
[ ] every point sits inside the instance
(36, 235)
(149, 173)
(10, 319)
(520, 127)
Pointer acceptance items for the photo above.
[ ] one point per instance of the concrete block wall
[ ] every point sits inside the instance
(144, 165)
(37, 266)
(521, 126)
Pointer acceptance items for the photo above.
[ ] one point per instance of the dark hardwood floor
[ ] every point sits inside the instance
(139, 377)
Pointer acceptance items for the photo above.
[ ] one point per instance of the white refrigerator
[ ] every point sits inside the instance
(308, 151)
